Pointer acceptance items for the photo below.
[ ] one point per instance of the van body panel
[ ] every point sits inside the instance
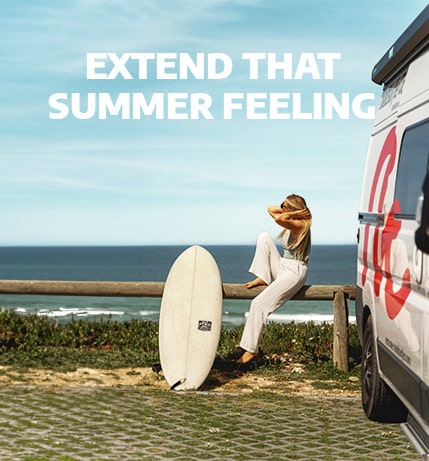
(415, 88)
(392, 273)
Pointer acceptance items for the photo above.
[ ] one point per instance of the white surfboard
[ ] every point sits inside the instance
(190, 319)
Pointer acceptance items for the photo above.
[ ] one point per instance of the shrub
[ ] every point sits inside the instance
(39, 341)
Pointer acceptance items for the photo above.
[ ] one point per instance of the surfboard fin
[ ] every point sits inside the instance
(178, 383)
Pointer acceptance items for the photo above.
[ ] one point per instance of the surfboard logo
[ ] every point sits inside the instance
(204, 325)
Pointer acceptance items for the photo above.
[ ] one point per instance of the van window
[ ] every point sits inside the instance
(412, 168)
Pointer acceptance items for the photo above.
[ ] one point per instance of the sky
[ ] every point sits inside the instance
(177, 180)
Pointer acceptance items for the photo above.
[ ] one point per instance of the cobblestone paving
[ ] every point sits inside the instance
(76, 423)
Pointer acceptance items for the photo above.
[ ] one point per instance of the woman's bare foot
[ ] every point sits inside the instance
(255, 283)
(247, 357)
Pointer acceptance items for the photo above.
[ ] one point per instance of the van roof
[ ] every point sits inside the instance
(407, 45)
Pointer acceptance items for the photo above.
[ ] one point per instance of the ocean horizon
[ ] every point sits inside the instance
(329, 265)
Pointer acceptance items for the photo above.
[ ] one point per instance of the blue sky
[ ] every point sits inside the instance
(148, 181)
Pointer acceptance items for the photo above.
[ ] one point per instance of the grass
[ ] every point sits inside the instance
(112, 422)
(155, 425)
(31, 341)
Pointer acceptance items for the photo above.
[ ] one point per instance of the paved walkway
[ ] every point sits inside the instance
(125, 423)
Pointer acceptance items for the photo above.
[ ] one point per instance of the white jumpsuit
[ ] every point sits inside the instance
(285, 276)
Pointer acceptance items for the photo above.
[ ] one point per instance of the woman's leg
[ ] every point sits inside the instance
(266, 261)
(289, 281)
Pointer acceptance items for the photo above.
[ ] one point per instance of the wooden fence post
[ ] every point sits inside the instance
(341, 331)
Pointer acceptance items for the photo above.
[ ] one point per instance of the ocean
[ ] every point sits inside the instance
(329, 265)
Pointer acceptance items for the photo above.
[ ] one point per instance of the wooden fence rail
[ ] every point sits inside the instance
(338, 294)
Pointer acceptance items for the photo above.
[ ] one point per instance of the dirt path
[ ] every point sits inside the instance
(217, 381)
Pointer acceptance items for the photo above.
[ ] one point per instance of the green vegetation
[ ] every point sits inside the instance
(39, 342)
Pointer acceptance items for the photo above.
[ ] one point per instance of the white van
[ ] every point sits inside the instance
(392, 299)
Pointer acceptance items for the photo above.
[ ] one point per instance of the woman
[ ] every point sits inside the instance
(283, 275)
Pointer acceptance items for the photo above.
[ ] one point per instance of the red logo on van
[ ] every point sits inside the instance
(384, 238)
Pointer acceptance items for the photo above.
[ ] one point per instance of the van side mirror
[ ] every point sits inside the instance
(421, 236)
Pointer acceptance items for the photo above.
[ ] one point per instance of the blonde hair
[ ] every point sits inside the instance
(297, 204)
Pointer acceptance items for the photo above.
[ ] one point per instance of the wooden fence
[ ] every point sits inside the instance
(338, 294)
